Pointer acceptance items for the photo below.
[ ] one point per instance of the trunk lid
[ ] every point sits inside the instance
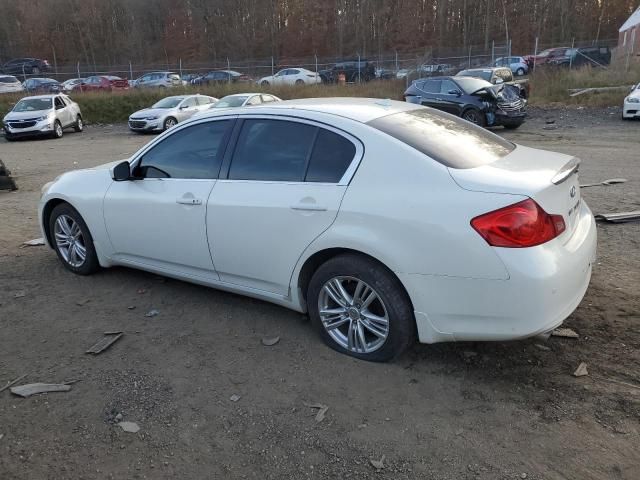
(549, 178)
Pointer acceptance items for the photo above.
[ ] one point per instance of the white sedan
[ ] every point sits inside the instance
(168, 112)
(384, 220)
(291, 76)
(631, 107)
(244, 100)
(10, 84)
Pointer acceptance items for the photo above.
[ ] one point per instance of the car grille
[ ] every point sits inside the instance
(22, 123)
(137, 123)
(512, 107)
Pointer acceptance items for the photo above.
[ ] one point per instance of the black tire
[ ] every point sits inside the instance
(79, 125)
(392, 300)
(57, 130)
(475, 116)
(513, 126)
(90, 264)
(299, 82)
(168, 123)
(264, 83)
(520, 72)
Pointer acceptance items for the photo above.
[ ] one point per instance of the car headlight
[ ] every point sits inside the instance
(44, 117)
(151, 118)
(633, 100)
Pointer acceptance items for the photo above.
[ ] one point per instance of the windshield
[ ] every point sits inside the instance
(484, 74)
(471, 85)
(169, 102)
(230, 102)
(33, 105)
(8, 79)
(445, 138)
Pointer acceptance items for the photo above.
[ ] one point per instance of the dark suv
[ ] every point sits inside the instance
(25, 66)
(578, 57)
(353, 71)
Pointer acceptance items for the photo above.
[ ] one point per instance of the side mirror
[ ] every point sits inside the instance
(455, 92)
(499, 81)
(121, 172)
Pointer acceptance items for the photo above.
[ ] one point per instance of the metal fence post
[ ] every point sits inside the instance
(535, 54)
(272, 67)
(358, 68)
(469, 56)
(493, 52)
(397, 61)
(229, 68)
(573, 43)
(180, 67)
(130, 71)
(316, 55)
(78, 68)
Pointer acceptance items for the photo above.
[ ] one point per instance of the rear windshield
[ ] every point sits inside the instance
(449, 140)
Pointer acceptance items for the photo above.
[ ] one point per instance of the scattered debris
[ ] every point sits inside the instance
(322, 410)
(131, 307)
(550, 127)
(105, 342)
(37, 388)
(1, 436)
(119, 417)
(565, 333)
(129, 427)
(606, 183)
(19, 294)
(544, 348)
(523, 475)
(621, 217)
(36, 242)
(459, 432)
(152, 313)
(13, 382)
(81, 303)
(377, 464)
(142, 291)
(234, 397)
(6, 182)
(581, 371)
(549, 121)
(270, 341)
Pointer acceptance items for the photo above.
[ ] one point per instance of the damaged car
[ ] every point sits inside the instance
(472, 99)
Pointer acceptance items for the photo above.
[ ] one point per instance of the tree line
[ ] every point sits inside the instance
(111, 32)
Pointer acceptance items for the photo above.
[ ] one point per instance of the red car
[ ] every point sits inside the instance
(545, 56)
(104, 83)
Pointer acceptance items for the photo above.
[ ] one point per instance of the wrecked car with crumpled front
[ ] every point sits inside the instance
(473, 99)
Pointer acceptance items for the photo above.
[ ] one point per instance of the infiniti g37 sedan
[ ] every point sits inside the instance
(385, 221)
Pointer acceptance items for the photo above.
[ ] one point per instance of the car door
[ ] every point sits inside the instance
(187, 108)
(63, 112)
(293, 76)
(157, 221)
(279, 190)
(450, 100)
(430, 93)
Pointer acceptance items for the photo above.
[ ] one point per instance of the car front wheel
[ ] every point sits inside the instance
(474, 115)
(79, 125)
(360, 308)
(57, 129)
(72, 240)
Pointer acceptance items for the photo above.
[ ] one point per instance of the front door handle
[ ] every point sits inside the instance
(189, 201)
(309, 207)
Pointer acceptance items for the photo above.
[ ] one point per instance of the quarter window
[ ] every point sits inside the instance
(431, 86)
(194, 152)
(332, 155)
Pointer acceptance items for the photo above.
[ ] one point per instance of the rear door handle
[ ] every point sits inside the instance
(309, 207)
(189, 201)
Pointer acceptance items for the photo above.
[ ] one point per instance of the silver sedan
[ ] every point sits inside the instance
(168, 112)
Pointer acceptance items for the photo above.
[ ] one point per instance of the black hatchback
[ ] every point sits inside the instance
(473, 99)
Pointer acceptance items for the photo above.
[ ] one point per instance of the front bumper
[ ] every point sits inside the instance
(143, 125)
(546, 284)
(43, 127)
(631, 110)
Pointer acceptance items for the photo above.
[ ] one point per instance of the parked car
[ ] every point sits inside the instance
(190, 77)
(222, 76)
(69, 85)
(473, 99)
(43, 115)
(631, 105)
(158, 80)
(404, 73)
(497, 76)
(384, 220)
(25, 66)
(244, 100)
(291, 76)
(384, 74)
(102, 83)
(10, 84)
(42, 85)
(168, 112)
(353, 70)
(579, 57)
(436, 70)
(544, 57)
(518, 65)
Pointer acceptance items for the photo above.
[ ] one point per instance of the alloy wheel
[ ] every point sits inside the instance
(70, 241)
(353, 314)
(58, 129)
(471, 116)
(169, 123)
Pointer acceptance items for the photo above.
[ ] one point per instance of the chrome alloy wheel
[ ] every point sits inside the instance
(70, 241)
(58, 130)
(353, 314)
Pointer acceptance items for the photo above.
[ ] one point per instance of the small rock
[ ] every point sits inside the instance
(81, 303)
(1, 436)
(270, 341)
(459, 432)
(234, 397)
(19, 295)
(131, 307)
(378, 464)
(152, 313)
(119, 417)
(565, 333)
(129, 427)
(544, 348)
(142, 291)
(581, 371)
(523, 475)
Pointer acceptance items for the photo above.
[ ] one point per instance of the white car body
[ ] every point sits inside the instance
(393, 203)
(238, 100)
(159, 119)
(43, 119)
(69, 85)
(631, 106)
(517, 64)
(291, 76)
(10, 84)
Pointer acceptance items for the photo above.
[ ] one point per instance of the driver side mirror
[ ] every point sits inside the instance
(499, 81)
(121, 172)
(455, 92)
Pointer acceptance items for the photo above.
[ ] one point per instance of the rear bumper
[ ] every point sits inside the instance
(546, 284)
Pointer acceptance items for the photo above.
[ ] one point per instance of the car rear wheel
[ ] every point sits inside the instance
(79, 125)
(474, 115)
(72, 240)
(264, 83)
(299, 82)
(57, 130)
(360, 308)
(520, 72)
(170, 123)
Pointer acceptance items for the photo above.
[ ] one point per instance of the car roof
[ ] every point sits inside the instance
(358, 109)
(244, 94)
(51, 96)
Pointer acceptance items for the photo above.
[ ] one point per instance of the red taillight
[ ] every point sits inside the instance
(524, 224)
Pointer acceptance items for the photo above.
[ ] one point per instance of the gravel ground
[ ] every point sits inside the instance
(452, 411)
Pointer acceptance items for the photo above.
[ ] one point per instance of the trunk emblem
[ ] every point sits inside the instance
(573, 192)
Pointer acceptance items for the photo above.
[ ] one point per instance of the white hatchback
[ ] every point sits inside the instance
(385, 221)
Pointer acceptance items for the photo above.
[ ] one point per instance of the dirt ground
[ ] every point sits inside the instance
(452, 411)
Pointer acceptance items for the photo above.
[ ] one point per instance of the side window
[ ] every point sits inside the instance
(431, 86)
(446, 86)
(194, 152)
(332, 155)
(189, 103)
(267, 99)
(294, 72)
(272, 150)
(255, 100)
(59, 103)
(203, 100)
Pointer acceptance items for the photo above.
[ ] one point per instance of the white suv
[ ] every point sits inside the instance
(42, 115)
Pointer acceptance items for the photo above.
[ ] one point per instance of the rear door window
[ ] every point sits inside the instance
(332, 155)
(431, 86)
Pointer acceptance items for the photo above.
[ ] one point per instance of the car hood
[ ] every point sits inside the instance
(149, 112)
(25, 115)
(634, 94)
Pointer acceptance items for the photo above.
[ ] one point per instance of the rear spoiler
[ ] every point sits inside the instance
(565, 172)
